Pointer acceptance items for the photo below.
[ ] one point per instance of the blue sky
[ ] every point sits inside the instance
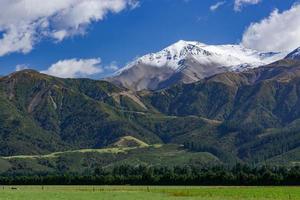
(137, 30)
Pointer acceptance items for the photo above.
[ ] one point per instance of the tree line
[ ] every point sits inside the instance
(165, 175)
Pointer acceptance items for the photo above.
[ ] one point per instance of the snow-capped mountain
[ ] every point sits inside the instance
(189, 61)
(295, 55)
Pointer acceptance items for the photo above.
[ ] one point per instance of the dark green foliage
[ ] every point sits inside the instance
(42, 114)
(257, 111)
(245, 99)
(165, 175)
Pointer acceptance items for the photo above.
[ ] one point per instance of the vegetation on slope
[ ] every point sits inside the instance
(250, 117)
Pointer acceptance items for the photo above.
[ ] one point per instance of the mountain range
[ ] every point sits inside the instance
(246, 113)
(188, 62)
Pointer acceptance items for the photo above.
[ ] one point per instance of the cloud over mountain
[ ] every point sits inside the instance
(74, 68)
(23, 23)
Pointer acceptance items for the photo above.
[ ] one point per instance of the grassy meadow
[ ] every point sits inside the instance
(147, 193)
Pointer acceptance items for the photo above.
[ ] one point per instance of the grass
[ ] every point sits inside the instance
(113, 150)
(81, 161)
(129, 141)
(124, 145)
(148, 193)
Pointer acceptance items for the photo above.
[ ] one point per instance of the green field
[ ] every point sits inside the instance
(147, 193)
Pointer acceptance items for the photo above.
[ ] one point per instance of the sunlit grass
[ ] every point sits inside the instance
(148, 192)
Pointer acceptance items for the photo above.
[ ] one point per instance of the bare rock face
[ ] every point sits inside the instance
(142, 76)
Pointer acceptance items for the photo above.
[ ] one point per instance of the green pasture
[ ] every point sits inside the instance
(147, 193)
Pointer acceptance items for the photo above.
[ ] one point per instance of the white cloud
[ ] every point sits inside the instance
(21, 67)
(113, 66)
(217, 5)
(238, 4)
(75, 68)
(278, 32)
(133, 4)
(23, 23)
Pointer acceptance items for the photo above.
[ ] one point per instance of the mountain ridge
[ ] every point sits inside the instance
(187, 62)
(251, 116)
(294, 54)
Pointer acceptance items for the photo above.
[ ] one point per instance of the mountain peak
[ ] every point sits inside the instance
(224, 55)
(28, 71)
(189, 61)
(172, 55)
(183, 43)
(294, 55)
(24, 72)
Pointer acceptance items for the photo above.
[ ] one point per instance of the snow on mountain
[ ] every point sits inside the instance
(189, 61)
(226, 55)
(294, 54)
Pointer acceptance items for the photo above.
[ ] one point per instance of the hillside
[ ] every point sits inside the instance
(87, 160)
(258, 110)
(251, 116)
(43, 114)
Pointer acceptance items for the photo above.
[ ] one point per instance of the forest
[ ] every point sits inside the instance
(238, 175)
